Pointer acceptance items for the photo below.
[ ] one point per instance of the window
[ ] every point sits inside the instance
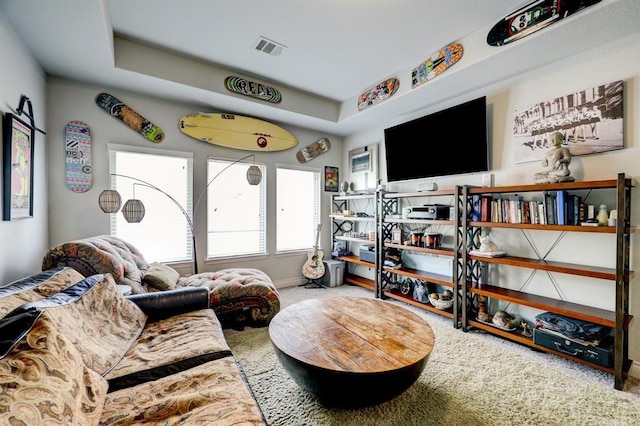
(164, 234)
(236, 222)
(298, 208)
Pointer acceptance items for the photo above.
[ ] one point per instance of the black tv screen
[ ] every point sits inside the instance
(449, 142)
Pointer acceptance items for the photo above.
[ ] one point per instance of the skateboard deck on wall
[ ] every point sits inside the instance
(128, 116)
(236, 131)
(382, 91)
(436, 64)
(312, 151)
(78, 156)
(533, 17)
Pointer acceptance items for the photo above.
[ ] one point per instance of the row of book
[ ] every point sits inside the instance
(555, 208)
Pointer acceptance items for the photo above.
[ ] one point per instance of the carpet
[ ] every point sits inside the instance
(471, 378)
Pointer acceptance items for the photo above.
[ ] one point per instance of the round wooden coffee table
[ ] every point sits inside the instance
(351, 351)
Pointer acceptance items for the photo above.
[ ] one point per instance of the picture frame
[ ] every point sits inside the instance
(331, 178)
(591, 121)
(361, 162)
(17, 154)
(396, 236)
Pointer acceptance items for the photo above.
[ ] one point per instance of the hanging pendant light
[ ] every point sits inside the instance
(110, 201)
(133, 211)
(254, 175)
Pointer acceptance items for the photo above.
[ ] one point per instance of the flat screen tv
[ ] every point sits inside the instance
(449, 142)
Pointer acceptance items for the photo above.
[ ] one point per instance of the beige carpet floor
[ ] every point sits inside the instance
(471, 378)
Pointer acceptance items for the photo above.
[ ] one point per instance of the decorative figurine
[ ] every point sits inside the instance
(526, 329)
(603, 214)
(556, 160)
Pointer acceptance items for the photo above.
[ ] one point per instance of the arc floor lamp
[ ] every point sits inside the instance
(133, 210)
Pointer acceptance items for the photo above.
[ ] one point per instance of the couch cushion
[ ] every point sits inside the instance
(43, 379)
(170, 345)
(210, 394)
(36, 287)
(161, 276)
(96, 318)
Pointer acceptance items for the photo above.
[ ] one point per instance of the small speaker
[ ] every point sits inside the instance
(429, 186)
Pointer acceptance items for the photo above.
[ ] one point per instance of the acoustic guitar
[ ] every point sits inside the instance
(313, 268)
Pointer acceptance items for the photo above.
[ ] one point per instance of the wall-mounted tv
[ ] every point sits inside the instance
(448, 142)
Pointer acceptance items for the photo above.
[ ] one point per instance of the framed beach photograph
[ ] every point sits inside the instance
(590, 120)
(17, 169)
(331, 175)
(361, 162)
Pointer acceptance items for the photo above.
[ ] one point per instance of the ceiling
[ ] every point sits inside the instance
(181, 50)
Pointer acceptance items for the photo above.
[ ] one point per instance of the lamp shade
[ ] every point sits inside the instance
(254, 175)
(133, 211)
(110, 201)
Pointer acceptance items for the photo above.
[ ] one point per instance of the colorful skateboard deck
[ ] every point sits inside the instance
(77, 140)
(533, 17)
(236, 131)
(382, 91)
(312, 151)
(128, 116)
(436, 64)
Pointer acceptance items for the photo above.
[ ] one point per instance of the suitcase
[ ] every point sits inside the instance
(601, 354)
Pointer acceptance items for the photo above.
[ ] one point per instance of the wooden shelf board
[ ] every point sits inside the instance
(441, 251)
(548, 265)
(571, 228)
(516, 337)
(569, 186)
(574, 310)
(356, 260)
(426, 306)
(360, 281)
(419, 221)
(422, 275)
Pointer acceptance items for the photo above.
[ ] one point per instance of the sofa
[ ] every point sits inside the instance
(239, 296)
(76, 351)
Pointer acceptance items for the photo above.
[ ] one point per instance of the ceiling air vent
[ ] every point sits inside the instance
(269, 47)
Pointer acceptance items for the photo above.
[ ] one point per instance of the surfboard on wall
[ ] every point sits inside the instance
(236, 131)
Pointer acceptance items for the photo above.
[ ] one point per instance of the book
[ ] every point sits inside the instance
(577, 201)
(475, 214)
(549, 206)
(485, 208)
(561, 207)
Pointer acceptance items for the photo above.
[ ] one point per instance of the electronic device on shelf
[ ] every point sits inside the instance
(430, 211)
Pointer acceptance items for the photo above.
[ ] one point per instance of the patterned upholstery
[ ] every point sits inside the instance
(235, 290)
(100, 255)
(238, 295)
(87, 355)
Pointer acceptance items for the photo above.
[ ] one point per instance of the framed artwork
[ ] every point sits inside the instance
(17, 165)
(590, 120)
(331, 175)
(361, 162)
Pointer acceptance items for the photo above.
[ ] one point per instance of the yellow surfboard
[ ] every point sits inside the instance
(236, 131)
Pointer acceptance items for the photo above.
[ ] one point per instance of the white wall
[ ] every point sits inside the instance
(22, 242)
(77, 215)
(617, 61)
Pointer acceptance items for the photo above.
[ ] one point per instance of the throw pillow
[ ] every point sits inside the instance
(161, 276)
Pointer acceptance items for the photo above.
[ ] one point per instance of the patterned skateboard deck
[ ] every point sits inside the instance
(78, 156)
(382, 91)
(128, 116)
(312, 151)
(533, 17)
(436, 64)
